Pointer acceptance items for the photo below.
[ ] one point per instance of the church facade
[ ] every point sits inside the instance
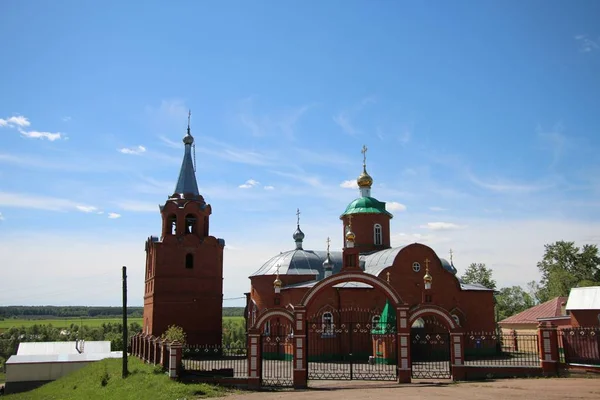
(184, 266)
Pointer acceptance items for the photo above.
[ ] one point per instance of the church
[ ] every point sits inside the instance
(415, 271)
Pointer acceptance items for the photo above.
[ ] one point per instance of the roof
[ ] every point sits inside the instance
(54, 358)
(187, 176)
(62, 348)
(301, 262)
(366, 205)
(343, 285)
(584, 298)
(376, 262)
(387, 321)
(551, 308)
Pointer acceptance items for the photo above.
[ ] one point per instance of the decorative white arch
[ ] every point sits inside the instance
(351, 277)
(265, 315)
(432, 310)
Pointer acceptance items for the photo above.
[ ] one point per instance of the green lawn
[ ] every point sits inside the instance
(66, 322)
(2, 377)
(102, 380)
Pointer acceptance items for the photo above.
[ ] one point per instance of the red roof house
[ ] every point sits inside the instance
(551, 311)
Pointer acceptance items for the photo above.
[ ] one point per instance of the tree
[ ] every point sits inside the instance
(479, 273)
(174, 333)
(565, 266)
(512, 300)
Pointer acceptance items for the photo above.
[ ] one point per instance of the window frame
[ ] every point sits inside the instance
(377, 235)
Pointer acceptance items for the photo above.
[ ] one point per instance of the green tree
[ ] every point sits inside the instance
(512, 300)
(174, 333)
(565, 266)
(479, 273)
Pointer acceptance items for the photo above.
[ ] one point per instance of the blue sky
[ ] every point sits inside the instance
(481, 120)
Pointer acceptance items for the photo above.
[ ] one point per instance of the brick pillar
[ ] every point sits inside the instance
(163, 354)
(151, 349)
(155, 350)
(300, 350)
(548, 347)
(457, 355)
(403, 344)
(143, 347)
(147, 348)
(254, 358)
(175, 365)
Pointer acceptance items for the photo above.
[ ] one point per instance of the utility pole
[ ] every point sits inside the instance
(125, 338)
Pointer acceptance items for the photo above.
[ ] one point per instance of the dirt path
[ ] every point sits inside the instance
(547, 389)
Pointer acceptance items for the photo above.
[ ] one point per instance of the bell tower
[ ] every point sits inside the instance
(184, 267)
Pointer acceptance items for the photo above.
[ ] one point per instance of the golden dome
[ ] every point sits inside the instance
(350, 236)
(277, 282)
(427, 278)
(364, 180)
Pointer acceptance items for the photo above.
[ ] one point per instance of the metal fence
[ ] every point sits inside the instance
(216, 361)
(501, 349)
(579, 346)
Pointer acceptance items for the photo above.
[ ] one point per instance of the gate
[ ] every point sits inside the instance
(352, 344)
(430, 354)
(277, 354)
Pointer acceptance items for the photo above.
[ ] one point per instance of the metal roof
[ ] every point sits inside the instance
(187, 176)
(59, 358)
(366, 205)
(301, 262)
(584, 298)
(376, 262)
(62, 348)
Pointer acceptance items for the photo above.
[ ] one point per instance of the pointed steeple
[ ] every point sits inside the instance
(186, 184)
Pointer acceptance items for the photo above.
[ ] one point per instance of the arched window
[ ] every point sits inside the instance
(267, 329)
(327, 321)
(419, 323)
(190, 224)
(189, 261)
(375, 321)
(456, 319)
(377, 236)
(172, 224)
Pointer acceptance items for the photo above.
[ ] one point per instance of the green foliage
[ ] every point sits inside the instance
(234, 332)
(102, 380)
(512, 300)
(565, 266)
(174, 333)
(45, 312)
(479, 273)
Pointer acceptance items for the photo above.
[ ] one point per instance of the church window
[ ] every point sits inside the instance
(416, 267)
(350, 260)
(190, 224)
(172, 224)
(378, 238)
(267, 328)
(327, 321)
(375, 321)
(456, 319)
(189, 261)
(419, 323)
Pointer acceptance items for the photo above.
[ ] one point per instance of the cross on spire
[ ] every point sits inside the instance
(350, 221)
(298, 216)
(451, 254)
(328, 241)
(189, 117)
(364, 153)
(427, 264)
(388, 276)
(277, 269)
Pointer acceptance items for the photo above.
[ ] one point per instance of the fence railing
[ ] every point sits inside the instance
(502, 349)
(216, 361)
(579, 346)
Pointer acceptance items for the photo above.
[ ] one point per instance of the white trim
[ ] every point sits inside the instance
(272, 313)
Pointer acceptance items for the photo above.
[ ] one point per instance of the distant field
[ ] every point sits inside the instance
(66, 322)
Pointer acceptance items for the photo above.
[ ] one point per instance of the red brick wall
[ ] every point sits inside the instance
(188, 297)
(363, 227)
(585, 318)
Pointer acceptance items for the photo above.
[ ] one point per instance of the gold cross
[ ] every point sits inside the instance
(298, 216)
(364, 153)
(451, 253)
(388, 276)
(427, 264)
(328, 241)
(278, 265)
(349, 221)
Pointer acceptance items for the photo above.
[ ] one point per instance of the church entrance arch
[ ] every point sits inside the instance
(276, 348)
(351, 343)
(430, 341)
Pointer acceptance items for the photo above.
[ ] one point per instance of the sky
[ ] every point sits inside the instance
(481, 119)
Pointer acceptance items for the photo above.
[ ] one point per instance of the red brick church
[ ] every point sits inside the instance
(184, 266)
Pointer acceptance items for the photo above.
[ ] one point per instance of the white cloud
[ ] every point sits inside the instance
(137, 206)
(87, 209)
(395, 206)
(113, 215)
(67, 119)
(504, 186)
(283, 121)
(42, 135)
(1, 217)
(441, 226)
(24, 200)
(269, 187)
(343, 120)
(15, 121)
(437, 209)
(350, 184)
(132, 150)
(587, 45)
(250, 183)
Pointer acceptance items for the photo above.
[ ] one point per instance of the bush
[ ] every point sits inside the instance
(174, 333)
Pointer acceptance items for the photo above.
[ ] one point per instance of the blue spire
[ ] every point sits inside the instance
(187, 176)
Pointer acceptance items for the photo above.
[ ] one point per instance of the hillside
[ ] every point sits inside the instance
(102, 380)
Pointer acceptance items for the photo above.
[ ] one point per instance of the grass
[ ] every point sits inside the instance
(102, 380)
(66, 322)
(2, 377)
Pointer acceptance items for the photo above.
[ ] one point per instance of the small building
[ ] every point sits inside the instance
(37, 363)
(584, 306)
(527, 321)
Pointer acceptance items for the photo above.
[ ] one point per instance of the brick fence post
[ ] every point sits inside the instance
(300, 350)
(254, 359)
(457, 355)
(175, 364)
(163, 354)
(548, 348)
(403, 345)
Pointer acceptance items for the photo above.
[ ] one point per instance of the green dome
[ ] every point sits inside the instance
(366, 205)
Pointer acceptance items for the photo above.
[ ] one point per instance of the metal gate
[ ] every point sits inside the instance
(430, 354)
(351, 344)
(277, 354)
